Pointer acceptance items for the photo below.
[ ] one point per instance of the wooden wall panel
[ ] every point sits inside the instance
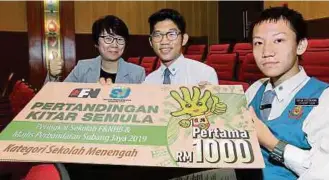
(37, 64)
(68, 36)
(173, 5)
(309, 9)
(13, 16)
(201, 16)
(187, 11)
(212, 22)
(36, 55)
(83, 17)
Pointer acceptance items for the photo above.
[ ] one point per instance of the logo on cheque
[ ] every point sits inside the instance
(120, 92)
(85, 93)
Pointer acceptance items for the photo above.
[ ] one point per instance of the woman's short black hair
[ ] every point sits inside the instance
(110, 24)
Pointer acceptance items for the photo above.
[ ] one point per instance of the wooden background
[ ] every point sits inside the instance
(309, 9)
(201, 17)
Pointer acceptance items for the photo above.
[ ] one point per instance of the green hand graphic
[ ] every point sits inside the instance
(191, 105)
(218, 107)
(185, 123)
(196, 107)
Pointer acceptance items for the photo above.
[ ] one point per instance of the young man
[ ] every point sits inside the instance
(110, 35)
(168, 35)
(292, 128)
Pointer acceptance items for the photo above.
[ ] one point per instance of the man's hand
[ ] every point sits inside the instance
(103, 82)
(56, 66)
(264, 134)
(203, 84)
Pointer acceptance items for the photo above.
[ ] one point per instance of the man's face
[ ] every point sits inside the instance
(167, 40)
(110, 46)
(275, 48)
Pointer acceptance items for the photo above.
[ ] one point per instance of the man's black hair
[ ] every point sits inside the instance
(168, 14)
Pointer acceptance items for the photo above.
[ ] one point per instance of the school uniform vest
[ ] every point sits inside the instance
(288, 126)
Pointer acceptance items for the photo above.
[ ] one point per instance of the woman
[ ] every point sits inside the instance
(110, 35)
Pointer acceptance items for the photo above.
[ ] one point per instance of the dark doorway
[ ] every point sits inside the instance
(235, 18)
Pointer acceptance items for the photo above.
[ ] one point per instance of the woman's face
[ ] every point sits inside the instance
(111, 46)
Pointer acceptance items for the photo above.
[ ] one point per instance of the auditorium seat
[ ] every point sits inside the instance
(149, 64)
(48, 171)
(196, 49)
(218, 49)
(134, 60)
(224, 65)
(197, 57)
(315, 45)
(242, 49)
(316, 64)
(225, 82)
(21, 95)
(248, 70)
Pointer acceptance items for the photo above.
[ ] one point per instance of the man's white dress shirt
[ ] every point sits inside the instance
(184, 71)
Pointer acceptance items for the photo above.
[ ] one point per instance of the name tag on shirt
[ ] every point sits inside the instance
(307, 102)
(265, 106)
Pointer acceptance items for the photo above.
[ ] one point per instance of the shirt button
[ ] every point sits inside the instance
(280, 88)
(173, 69)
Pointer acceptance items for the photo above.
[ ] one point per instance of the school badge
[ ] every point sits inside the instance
(296, 112)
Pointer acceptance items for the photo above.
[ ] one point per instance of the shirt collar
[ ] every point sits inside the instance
(174, 67)
(287, 87)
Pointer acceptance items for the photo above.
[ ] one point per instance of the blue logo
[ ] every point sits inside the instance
(120, 92)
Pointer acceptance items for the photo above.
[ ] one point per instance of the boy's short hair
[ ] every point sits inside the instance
(294, 18)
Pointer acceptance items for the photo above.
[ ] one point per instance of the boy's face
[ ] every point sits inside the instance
(168, 47)
(275, 48)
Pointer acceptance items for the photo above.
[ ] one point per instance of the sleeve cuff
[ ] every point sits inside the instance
(296, 159)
